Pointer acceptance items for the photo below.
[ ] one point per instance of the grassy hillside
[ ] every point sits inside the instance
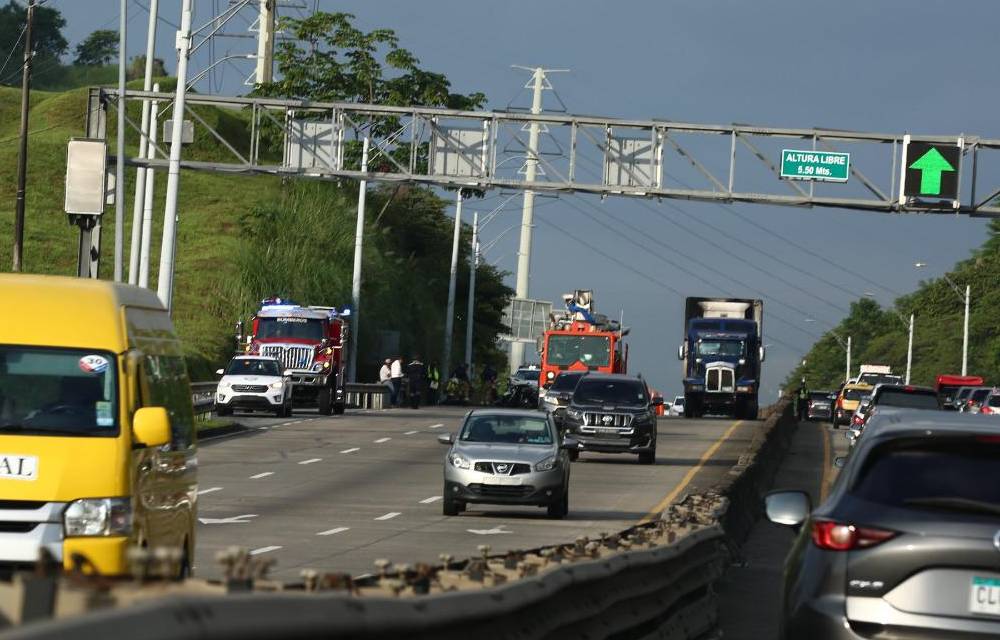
(241, 238)
(879, 336)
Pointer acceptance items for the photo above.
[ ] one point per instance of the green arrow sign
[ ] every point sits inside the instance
(931, 165)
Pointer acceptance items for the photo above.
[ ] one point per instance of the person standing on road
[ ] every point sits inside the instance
(384, 377)
(396, 377)
(489, 378)
(803, 402)
(433, 382)
(416, 373)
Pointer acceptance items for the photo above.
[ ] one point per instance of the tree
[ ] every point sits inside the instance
(99, 49)
(46, 32)
(137, 68)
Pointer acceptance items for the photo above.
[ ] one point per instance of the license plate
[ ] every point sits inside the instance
(984, 596)
(17, 467)
(606, 433)
(506, 481)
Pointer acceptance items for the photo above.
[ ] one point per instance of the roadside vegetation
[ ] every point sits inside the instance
(880, 337)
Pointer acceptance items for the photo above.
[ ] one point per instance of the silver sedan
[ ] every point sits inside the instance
(507, 456)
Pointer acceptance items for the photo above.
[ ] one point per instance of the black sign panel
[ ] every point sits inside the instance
(932, 171)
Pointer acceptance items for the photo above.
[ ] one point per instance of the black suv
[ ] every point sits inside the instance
(613, 414)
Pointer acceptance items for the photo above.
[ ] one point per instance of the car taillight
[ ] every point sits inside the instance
(986, 409)
(837, 536)
(857, 420)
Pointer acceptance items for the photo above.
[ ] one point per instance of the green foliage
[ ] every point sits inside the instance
(137, 68)
(98, 49)
(46, 31)
(880, 336)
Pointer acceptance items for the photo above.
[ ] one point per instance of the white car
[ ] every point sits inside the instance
(676, 408)
(254, 383)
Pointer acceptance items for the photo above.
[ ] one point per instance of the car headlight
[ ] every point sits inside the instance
(326, 365)
(574, 414)
(550, 375)
(98, 517)
(551, 400)
(458, 461)
(278, 384)
(547, 464)
(318, 366)
(746, 388)
(223, 385)
(645, 416)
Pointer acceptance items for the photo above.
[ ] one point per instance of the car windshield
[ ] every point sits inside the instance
(819, 396)
(253, 367)
(617, 392)
(593, 351)
(528, 375)
(566, 381)
(679, 401)
(855, 394)
(979, 395)
(879, 378)
(928, 473)
(733, 348)
(963, 393)
(501, 429)
(908, 399)
(300, 328)
(58, 391)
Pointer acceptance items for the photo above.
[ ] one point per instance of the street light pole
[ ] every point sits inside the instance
(848, 374)
(965, 334)
(449, 320)
(909, 351)
(471, 312)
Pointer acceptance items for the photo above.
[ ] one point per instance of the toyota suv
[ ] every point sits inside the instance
(612, 413)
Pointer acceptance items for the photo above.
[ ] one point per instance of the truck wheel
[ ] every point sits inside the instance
(325, 401)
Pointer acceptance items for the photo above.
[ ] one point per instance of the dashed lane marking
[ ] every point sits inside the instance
(311, 460)
(410, 433)
(258, 476)
(389, 516)
(351, 450)
(334, 531)
(430, 500)
(209, 490)
(257, 552)
(436, 426)
(381, 440)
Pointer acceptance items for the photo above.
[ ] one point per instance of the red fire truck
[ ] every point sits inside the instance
(581, 340)
(310, 343)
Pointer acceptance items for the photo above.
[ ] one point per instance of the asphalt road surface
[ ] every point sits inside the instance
(336, 493)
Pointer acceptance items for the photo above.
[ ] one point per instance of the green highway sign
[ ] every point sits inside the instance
(828, 166)
(932, 170)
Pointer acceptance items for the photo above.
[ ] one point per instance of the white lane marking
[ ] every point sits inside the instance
(209, 490)
(489, 532)
(257, 552)
(262, 428)
(334, 531)
(261, 475)
(381, 440)
(242, 519)
(351, 450)
(389, 516)
(311, 460)
(410, 433)
(435, 426)
(430, 500)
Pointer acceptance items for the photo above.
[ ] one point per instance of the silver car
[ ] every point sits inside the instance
(907, 544)
(507, 456)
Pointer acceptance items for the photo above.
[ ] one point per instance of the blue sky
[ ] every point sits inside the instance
(889, 66)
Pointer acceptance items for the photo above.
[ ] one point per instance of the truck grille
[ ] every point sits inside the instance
(620, 420)
(290, 357)
(249, 388)
(719, 379)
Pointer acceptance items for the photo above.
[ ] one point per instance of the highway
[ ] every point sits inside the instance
(337, 493)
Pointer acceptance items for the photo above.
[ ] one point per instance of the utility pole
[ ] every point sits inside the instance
(147, 204)
(359, 239)
(165, 286)
(138, 219)
(965, 334)
(471, 312)
(847, 376)
(909, 351)
(120, 147)
(449, 319)
(265, 42)
(528, 210)
(22, 155)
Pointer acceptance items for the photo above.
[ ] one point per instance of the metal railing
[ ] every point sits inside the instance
(203, 397)
(358, 396)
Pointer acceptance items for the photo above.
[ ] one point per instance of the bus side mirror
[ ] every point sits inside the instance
(680, 352)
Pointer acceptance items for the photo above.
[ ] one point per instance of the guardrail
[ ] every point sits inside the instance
(366, 396)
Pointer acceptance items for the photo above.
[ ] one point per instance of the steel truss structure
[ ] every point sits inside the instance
(484, 150)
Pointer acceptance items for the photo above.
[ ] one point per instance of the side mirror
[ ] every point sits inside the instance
(680, 352)
(447, 439)
(762, 353)
(151, 427)
(220, 372)
(787, 508)
(570, 444)
(840, 461)
(657, 401)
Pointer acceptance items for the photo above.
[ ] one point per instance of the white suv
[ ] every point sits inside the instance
(255, 383)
